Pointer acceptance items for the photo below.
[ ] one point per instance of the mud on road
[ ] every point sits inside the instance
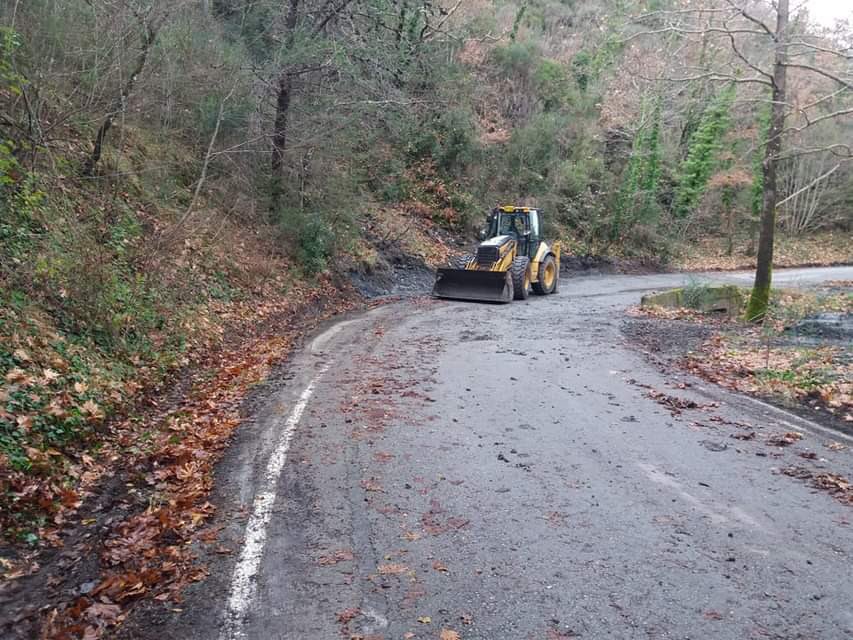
(512, 472)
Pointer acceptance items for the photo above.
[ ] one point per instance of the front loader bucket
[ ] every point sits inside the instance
(469, 284)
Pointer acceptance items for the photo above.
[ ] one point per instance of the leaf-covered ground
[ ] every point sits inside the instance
(154, 467)
(780, 360)
(817, 249)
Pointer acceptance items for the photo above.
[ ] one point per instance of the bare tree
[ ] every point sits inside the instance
(743, 29)
(805, 180)
(379, 42)
(149, 27)
(313, 24)
(760, 297)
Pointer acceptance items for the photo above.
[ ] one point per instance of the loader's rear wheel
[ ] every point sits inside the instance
(520, 270)
(547, 281)
(461, 262)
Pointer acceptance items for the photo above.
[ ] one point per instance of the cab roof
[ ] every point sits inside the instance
(510, 208)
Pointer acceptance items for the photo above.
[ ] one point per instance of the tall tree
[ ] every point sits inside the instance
(741, 28)
(760, 297)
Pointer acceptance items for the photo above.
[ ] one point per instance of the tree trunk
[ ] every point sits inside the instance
(279, 139)
(757, 307)
(282, 106)
(120, 103)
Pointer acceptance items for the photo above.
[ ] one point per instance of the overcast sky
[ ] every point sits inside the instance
(826, 12)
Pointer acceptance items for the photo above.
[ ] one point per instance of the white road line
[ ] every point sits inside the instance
(656, 475)
(243, 583)
(798, 422)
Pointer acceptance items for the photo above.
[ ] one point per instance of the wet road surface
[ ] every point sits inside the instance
(501, 472)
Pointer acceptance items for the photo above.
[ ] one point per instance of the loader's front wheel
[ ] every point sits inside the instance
(520, 270)
(547, 281)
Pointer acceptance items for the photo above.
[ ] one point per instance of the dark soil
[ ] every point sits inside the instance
(603, 265)
(823, 327)
(665, 341)
(395, 274)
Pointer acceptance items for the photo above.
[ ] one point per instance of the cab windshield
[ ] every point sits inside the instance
(507, 224)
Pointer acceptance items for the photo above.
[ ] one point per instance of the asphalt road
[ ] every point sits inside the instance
(500, 472)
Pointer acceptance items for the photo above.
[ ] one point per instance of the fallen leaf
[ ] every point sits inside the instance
(371, 484)
(393, 569)
(746, 435)
(103, 612)
(449, 634)
(784, 439)
(348, 614)
(18, 375)
(425, 620)
(556, 634)
(91, 408)
(341, 555)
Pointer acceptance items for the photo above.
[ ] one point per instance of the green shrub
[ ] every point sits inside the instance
(516, 59)
(449, 138)
(235, 114)
(533, 151)
(20, 225)
(637, 202)
(314, 239)
(582, 70)
(551, 81)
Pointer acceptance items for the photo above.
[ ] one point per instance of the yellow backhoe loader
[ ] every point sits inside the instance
(511, 259)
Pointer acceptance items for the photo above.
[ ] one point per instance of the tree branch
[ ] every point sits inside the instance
(823, 99)
(334, 12)
(752, 19)
(437, 28)
(713, 76)
(808, 45)
(698, 32)
(826, 116)
(833, 149)
(746, 61)
(809, 185)
(822, 72)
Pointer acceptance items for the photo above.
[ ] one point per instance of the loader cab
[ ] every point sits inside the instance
(520, 223)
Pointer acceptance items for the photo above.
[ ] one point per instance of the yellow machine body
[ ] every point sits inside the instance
(505, 265)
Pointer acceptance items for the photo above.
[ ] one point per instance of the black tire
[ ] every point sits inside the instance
(520, 271)
(541, 286)
(461, 262)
